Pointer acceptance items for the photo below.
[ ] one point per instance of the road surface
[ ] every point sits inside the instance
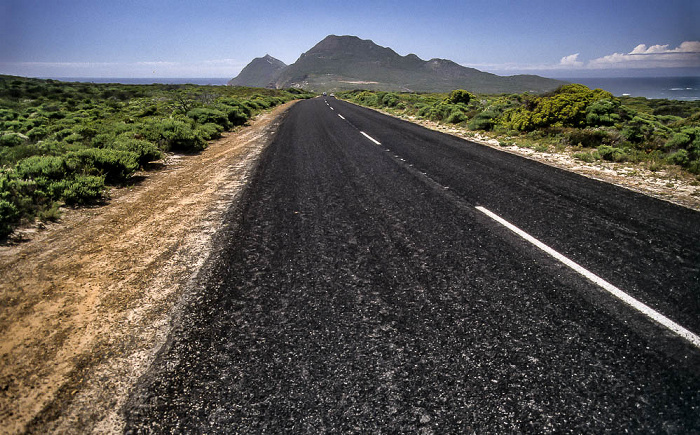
(368, 283)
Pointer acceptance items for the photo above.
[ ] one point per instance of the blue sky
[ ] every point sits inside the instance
(216, 38)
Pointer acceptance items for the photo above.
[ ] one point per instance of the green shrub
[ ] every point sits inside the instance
(37, 133)
(173, 134)
(102, 140)
(8, 115)
(83, 189)
(483, 121)
(680, 157)
(603, 112)
(694, 167)
(50, 167)
(390, 100)
(459, 96)
(73, 138)
(146, 151)
(203, 115)
(8, 217)
(51, 213)
(679, 140)
(235, 104)
(12, 139)
(456, 116)
(567, 107)
(115, 165)
(587, 138)
(586, 157)
(236, 114)
(210, 131)
(612, 154)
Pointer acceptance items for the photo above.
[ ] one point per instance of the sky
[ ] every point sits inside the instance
(217, 38)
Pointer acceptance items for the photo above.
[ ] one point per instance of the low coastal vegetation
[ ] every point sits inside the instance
(593, 123)
(64, 143)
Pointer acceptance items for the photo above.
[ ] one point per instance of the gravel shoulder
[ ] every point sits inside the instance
(88, 301)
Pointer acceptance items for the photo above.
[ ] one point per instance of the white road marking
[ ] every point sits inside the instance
(341, 116)
(370, 138)
(331, 108)
(624, 297)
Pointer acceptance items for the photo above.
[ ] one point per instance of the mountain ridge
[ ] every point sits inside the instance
(260, 72)
(349, 62)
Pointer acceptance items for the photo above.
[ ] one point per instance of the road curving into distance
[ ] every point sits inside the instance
(369, 281)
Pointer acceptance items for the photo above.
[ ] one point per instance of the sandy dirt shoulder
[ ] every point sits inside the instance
(87, 302)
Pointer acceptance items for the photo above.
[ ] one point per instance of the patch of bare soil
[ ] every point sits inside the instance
(669, 184)
(87, 302)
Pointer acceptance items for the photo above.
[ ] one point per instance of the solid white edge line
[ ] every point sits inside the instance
(341, 116)
(629, 300)
(370, 138)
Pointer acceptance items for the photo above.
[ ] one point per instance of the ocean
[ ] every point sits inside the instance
(672, 88)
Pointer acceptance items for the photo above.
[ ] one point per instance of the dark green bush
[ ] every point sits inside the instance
(37, 133)
(567, 107)
(603, 112)
(680, 157)
(210, 131)
(459, 96)
(204, 115)
(588, 138)
(8, 217)
(612, 154)
(146, 151)
(114, 165)
(456, 116)
(236, 114)
(102, 140)
(587, 157)
(11, 139)
(8, 115)
(172, 134)
(50, 167)
(390, 100)
(483, 121)
(694, 167)
(83, 189)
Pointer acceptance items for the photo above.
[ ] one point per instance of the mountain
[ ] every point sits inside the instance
(348, 62)
(261, 72)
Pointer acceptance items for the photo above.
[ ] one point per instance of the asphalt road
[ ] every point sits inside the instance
(358, 289)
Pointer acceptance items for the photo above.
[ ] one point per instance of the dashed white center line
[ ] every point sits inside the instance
(341, 116)
(331, 108)
(629, 300)
(376, 142)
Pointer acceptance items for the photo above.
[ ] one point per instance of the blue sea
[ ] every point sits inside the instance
(670, 88)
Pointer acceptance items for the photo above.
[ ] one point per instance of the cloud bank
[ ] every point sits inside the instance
(641, 57)
(686, 55)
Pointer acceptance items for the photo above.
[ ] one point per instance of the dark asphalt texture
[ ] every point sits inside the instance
(358, 290)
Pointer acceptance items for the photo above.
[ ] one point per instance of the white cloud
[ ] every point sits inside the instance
(571, 61)
(686, 55)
